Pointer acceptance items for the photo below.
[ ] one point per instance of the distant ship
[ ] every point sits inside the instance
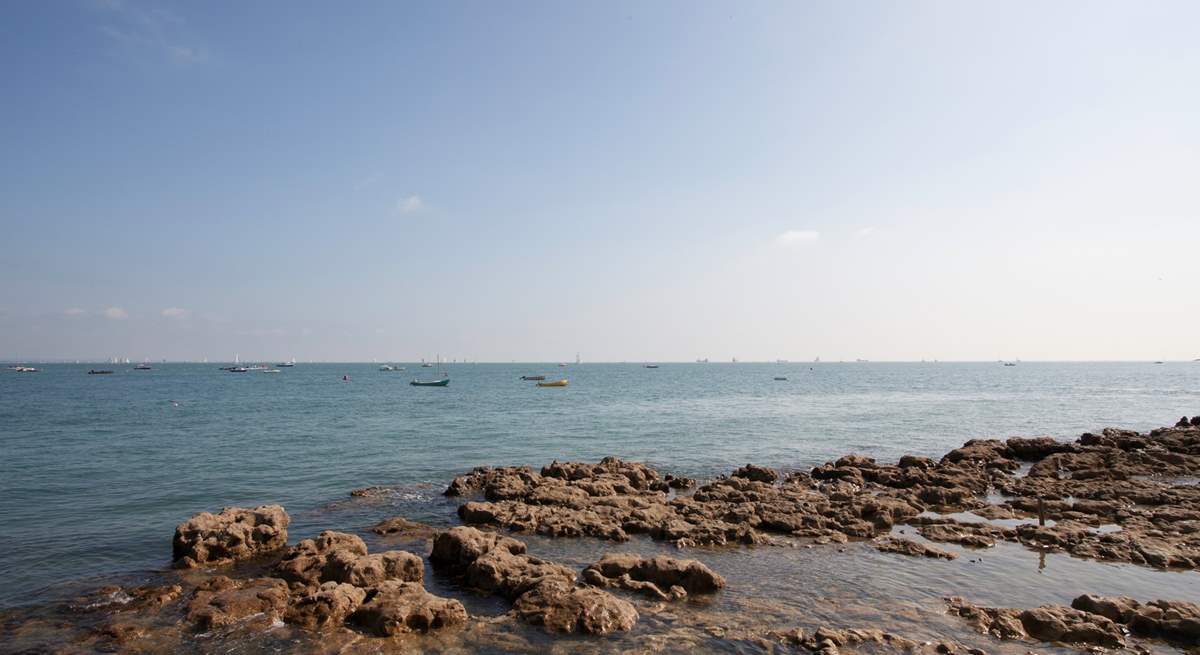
(287, 364)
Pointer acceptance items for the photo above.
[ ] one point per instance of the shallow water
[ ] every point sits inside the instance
(97, 470)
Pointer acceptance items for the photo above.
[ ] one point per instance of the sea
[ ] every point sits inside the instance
(97, 470)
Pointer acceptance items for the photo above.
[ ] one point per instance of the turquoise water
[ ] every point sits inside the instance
(96, 471)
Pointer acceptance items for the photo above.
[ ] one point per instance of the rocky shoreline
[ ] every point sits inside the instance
(1117, 496)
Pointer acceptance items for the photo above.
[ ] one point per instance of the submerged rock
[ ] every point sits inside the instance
(560, 606)
(236, 533)
(221, 601)
(909, 547)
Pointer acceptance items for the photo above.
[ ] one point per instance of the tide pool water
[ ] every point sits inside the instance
(96, 471)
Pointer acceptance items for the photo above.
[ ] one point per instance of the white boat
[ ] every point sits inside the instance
(25, 369)
(389, 367)
(287, 364)
(270, 370)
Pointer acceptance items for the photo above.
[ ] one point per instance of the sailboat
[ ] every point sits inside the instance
(442, 381)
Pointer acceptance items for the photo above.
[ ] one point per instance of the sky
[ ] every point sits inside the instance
(630, 181)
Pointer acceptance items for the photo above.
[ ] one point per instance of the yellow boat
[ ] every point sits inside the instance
(556, 383)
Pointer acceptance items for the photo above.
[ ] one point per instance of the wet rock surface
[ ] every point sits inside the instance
(234, 534)
(661, 577)
(397, 607)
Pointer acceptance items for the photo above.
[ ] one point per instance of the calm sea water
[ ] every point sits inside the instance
(96, 471)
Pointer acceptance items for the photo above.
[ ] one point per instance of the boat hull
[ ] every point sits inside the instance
(556, 383)
(433, 383)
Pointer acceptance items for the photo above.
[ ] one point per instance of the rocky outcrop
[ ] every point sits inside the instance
(236, 533)
(559, 606)
(661, 577)
(397, 607)
(326, 608)
(1052, 623)
(1173, 620)
(221, 601)
(910, 547)
(544, 593)
(756, 474)
(343, 558)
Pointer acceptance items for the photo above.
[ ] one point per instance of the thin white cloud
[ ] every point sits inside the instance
(410, 204)
(149, 29)
(176, 312)
(74, 311)
(864, 232)
(116, 313)
(793, 238)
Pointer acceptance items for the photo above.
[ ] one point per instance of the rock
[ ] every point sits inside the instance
(457, 548)
(401, 527)
(396, 607)
(327, 608)
(1120, 609)
(220, 601)
(1053, 623)
(1182, 423)
(370, 570)
(1175, 620)
(235, 534)
(663, 572)
(909, 547)
(559, 606)
(492, 563)
(305, 562)
(913, 461)
(1071, 626)
(757, 474)
(1037, 448)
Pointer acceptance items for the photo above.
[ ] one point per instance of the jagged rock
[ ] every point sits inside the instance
(757, 474)
(305, 562)
(1121, 609)
(492, 563)
(326, 608)
(1071, 626)
(396, 607)
(220, 601)
(1053, 623)
(909, 547)
(1171, 619)
(370, 570)
(663, 573)
(1037, 448)
(559, 606)
(236, 533)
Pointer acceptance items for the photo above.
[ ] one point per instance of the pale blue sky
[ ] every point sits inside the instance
(659, 181)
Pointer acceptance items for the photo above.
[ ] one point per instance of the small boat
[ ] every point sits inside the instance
(431, 383)
(1010, 363)
(426, 365)
(237, 369)
(286, 364)
(142, 367)
(651, 365)
(561, 365)
(780, 378)
(1157, 362)
(26, 369)
(271, 370)
(556, 383)
(533, 378)
(387, 367)
(99, 372)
